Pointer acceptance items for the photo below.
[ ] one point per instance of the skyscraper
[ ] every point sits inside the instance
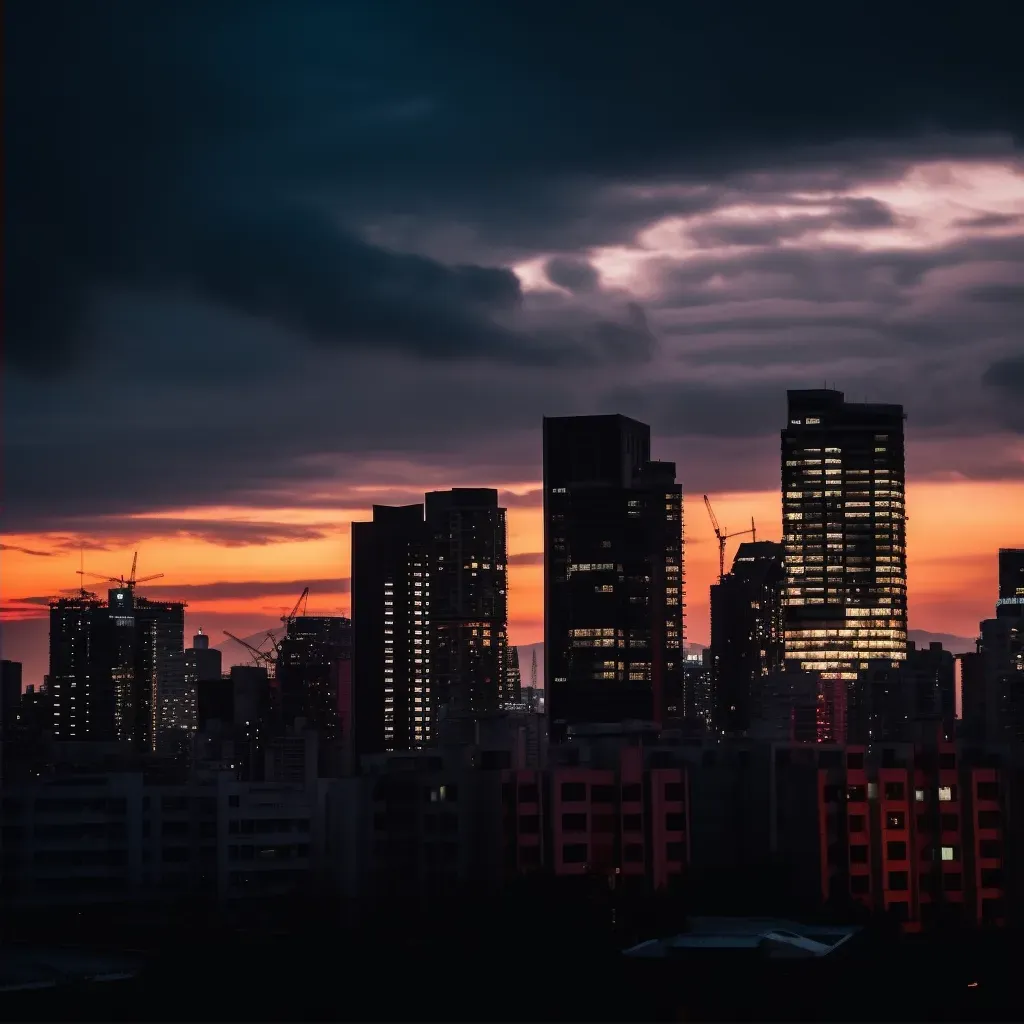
(81, 683)
(746, 632)
(844, 534)
(392, 690)
(201, 660)
(1011, 583)
(993, 678)
(469, 600)
(162, 713)
(613, 574)
(314, 672)
(512, 679)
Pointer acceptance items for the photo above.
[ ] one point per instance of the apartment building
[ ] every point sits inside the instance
(918, 833)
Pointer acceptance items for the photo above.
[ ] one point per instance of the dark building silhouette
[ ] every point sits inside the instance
(201, 660)
(844, 534)
(160, 715)
(613, 575)
(992, 677)
(81, 678)
(512, 680)
(993, 682)
(393, 697)
(888, 703)
(1011, 583)
(697, 700)
(238, 718)
(10, 694)
(469, 600)
(314, 678)
(746, 631)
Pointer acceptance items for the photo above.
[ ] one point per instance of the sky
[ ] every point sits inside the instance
(268, 264)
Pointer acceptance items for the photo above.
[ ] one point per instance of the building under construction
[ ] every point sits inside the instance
(117, 667)
(309, 673)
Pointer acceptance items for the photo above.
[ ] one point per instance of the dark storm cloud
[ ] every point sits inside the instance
(361, 176)
(1007, 375)
(527, 558)
(222, 591)
(529, 499)
(990, 220)
(138, 132)
(1008, 293)
(224, 533)
(231, 590)
(574, 274)
(26, 551)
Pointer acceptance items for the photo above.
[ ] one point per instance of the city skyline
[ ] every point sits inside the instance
(947, 593)
(357, 256)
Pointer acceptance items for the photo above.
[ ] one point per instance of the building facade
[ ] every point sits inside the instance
(1011, 583)
(992, 677)
(81, 678)
(162, 711)
(201, 660)
(844, 528)
(613, 575)
(746, 632)
(392, 689)
(917, 833)
(469, 600)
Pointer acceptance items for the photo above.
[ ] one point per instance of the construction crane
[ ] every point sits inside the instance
(723, 536)
(124, 584)
(259, 657)
(302, 602)
(274, 643)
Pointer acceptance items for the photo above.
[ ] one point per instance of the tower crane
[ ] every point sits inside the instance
(120, 581)
(302, 602)
(259, 657)
(274, 643)
(723, 536)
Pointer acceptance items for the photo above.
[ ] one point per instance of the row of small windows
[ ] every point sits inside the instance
(632, 853)
(577, 792)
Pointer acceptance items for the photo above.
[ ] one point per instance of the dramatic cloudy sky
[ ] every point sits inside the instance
(268, 263)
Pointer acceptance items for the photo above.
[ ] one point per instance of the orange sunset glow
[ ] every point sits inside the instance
(953, 531)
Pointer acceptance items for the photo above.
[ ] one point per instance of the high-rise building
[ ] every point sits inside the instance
(162, 712)
(992, 677)
(392, 688)
(10, 694)
(845, 534)
(746, 631)
(314, 676)
(891, 703)
(469, 600)
(201, 660)
(613, 575)
(697, 703)
(202, 663)
(512, 679)
(81, 679)
(1011, 583)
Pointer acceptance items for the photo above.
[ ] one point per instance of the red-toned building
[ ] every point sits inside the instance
(623, 819)
(914, 831)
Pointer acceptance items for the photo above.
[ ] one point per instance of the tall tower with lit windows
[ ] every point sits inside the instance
(469, 606)
(844, 527)
(613, 575)
(392, 693)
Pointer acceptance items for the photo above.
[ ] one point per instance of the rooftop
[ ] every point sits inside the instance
(776, 937)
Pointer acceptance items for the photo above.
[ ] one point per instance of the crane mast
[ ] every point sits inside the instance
(723, 536)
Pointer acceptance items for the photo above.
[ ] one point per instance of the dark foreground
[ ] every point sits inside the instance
(479, 970)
